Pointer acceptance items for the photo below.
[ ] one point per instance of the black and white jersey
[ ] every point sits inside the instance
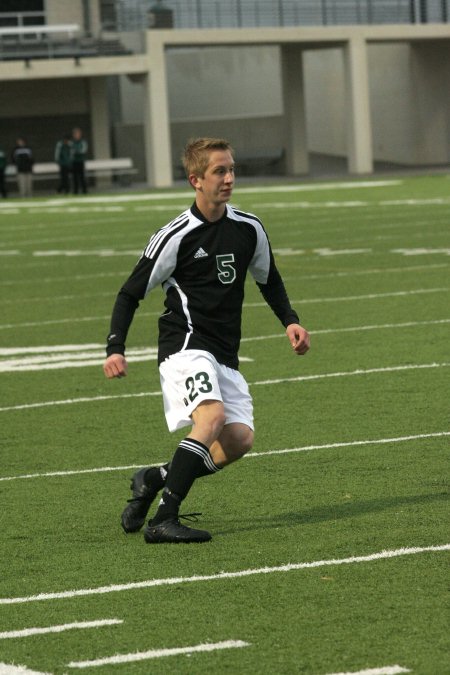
(202, 267)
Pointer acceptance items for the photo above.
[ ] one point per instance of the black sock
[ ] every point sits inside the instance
(186, 465)
(208, 467)
(156, 476)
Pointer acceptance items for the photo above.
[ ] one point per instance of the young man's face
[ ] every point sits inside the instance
(217, 183)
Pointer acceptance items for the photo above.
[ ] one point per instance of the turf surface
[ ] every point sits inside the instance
(364, 416)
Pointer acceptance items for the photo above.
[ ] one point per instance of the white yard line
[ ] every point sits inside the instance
(366, 296)
(123, 274)
(349, 444)
(438, 201)
(27, 632)
(344, 298)
(76, 277)
(56, 349)
(305, 448)
(7, 669)
(158, 654)
(300, 378)
(385, 670)
(358, 371)
(154, 196)
(176, 581)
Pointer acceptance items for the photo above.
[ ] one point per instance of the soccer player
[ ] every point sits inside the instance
(201, 259)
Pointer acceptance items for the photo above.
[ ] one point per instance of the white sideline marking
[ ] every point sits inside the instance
(76, 359)
(154, 196)
(171, 581)
(6, 669)
(27, 632)
(386, 670)
(77, 209)
(158, 653)
(326, 446)
(439, 201)
(83, 399)
(420, 251)
(359, 371)
(109, 252)
(367, 296)
(124, 273)
(102, 253)
(300, 378)
(48, 349)
(349, 444)
(373, 270)
(342, 251)
(345, 298)
(351, 329)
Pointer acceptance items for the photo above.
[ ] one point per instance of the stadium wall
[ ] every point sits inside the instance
(353, 92)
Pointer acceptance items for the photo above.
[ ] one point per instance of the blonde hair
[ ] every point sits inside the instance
(196, 154)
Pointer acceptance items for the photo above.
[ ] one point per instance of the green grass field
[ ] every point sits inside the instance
(330, 539)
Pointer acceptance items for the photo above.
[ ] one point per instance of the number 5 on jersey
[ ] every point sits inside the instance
(225, 268)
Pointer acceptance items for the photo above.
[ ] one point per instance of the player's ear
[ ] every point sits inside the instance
(194, 180)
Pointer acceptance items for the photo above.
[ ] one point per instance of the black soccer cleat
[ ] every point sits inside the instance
(171, 531)
(135, 513)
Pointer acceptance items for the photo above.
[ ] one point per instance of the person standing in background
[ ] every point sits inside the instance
(63, 157)
(2, 173)
(22, 157)
(79, 154)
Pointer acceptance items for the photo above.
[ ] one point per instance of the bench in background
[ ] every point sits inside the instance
(120, 167)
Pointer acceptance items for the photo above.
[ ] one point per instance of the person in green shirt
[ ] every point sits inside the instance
(79, 154)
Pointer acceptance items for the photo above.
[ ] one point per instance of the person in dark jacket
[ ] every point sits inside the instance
(79, 154)
(2, 173)
(63, 157)
(22, 157)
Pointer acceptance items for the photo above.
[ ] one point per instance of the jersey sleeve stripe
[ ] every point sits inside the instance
(159, 239)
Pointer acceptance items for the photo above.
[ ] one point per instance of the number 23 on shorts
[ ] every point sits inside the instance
(199, 383)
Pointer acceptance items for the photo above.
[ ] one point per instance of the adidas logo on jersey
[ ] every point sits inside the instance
(201, 253)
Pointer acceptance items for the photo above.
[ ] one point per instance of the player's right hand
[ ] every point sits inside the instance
(115, 366)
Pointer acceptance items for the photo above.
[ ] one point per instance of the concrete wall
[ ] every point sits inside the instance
(212, 83)
(43, 111)
(44, 97)
(430, 82)
(325, 101)
(409, 102)
(237, 93)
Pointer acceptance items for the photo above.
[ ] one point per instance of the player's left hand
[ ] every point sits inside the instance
(299, 338)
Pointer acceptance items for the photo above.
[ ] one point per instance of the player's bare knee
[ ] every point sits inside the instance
(242, 443)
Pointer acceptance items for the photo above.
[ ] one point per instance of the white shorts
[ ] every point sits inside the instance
(192, 376)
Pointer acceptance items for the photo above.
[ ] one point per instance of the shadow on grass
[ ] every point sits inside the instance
(331, 512)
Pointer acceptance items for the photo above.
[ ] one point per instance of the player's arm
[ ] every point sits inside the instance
(122, 316)
(126, 304)
(274, 293)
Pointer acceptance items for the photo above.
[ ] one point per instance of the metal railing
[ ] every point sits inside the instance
(135, 14)
(21, 19)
